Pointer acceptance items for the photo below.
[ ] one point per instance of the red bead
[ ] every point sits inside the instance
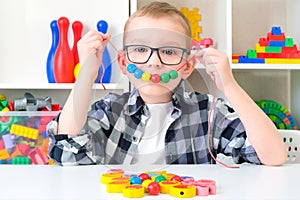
(144, 176)
(153, 188)
(176, 178)
(155, 78)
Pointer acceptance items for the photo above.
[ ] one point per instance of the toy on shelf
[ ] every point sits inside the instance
(274, 49)
(203, 43)
(50, 58)
(280, 116)
(194, 18)
(23, 137)
(63, 66)
(30, 103)
(155, 183)
(106, 67)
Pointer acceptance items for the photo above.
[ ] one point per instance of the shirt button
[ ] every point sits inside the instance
(134, 139)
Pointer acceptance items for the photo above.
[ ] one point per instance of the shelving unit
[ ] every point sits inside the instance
(236, 26)
(26, 40)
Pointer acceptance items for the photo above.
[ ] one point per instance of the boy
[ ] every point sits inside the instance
(159, 122)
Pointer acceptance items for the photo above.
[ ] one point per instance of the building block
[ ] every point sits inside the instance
(270, 49)
(24, 131)
(276, 37)
(21, 160)
(289, 42)
(277, 43)
(259, 48)
(251, 53)
(263, 42)
(282, 61)
(276, 30)
(194, 18)
(245, 59)
(4, 154)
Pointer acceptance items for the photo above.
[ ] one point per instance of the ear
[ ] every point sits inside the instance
(122, 62)
(190, 66)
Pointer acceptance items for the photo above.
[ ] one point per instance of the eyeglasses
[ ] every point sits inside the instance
(168, 55)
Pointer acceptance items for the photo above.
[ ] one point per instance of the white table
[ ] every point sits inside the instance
(83, 182)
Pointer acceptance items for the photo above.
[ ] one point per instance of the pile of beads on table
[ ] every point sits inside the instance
(155, 183)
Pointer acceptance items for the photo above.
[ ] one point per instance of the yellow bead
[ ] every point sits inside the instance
(133, 191)
(183, 191)
(166, 185)
(146, 76)
(107, 177)
(116, 186)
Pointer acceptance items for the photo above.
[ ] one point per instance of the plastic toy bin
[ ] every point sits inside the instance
(23, 137)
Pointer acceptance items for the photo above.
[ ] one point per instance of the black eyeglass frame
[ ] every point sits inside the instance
(158, 54)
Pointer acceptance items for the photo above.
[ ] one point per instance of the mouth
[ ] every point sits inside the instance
(151, 77)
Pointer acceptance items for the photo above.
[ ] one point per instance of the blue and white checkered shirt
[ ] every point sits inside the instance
(116, 123)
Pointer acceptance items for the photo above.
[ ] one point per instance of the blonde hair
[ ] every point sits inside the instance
(162, 9)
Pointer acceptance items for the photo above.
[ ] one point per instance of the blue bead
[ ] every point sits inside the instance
(138, 73)
(131, 68)
(135, 180)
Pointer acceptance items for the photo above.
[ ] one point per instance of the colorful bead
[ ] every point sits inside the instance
(173, 74)
(135, 180)
(154, 78)
(131, 68)
(146, 76)
(160, 178)
(138, 73)
(165, 78)
(133, 191)
(153, 188)
(183, 191)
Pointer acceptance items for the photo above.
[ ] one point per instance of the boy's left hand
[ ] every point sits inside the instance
(217, 66)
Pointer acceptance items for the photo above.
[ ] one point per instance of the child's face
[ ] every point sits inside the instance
(157, 48)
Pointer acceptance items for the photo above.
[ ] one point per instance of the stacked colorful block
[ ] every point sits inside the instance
(274, 49)
(194, 18)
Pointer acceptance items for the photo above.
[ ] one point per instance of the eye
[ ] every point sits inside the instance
(169, 51)
(141, 49)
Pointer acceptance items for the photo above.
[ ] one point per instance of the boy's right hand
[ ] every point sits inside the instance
(91, 46)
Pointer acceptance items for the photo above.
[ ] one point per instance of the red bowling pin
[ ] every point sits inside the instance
(77, 27)
(63, 59)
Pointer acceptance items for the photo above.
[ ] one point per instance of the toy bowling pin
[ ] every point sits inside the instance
(50, 58)
(77, 28)
(106, 61)
(63, 59)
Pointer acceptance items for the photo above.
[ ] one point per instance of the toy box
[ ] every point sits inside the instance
(23, 137)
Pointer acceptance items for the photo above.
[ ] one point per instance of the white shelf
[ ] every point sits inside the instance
(57, 86)
(266, 66)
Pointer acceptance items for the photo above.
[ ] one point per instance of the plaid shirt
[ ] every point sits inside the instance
(115, 125)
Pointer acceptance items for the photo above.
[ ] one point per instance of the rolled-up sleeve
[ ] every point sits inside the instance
(88, 147)
(230, 136)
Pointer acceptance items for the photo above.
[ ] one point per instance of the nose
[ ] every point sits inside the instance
(154, 59)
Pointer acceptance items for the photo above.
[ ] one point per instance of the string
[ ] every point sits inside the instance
(208, 129)
(209, 115)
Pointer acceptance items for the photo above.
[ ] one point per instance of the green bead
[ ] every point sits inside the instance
(160, 178)
(173, 74)
(165, 78)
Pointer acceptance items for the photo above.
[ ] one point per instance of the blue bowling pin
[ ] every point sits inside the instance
(102, 27)
(50, 58)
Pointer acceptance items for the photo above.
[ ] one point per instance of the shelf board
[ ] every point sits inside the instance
(265, 66)
(56, 86)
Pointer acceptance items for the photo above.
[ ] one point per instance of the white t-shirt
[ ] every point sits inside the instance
(151, 149)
